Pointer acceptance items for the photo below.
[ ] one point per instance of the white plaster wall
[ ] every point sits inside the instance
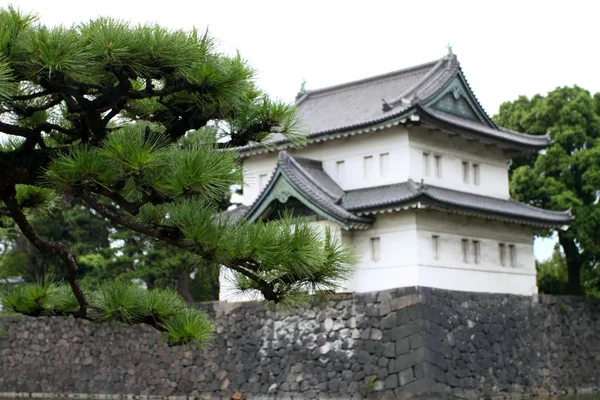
(449, 271)
(351, 150)
(397, 266)
(407, 254)
(493, 174)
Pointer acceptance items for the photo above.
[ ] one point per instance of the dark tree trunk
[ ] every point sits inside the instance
(574, 261)
(183, 286)
(214, 288)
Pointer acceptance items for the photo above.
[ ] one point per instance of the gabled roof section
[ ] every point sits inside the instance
(411, 194)
(357, 103)
(305, 180)
(438, 88)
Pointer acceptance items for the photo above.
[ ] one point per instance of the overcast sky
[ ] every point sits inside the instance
(506, 48)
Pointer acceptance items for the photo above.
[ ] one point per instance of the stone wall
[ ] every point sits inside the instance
(392, 344)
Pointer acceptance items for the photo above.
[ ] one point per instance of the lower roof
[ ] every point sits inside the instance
(306, 180)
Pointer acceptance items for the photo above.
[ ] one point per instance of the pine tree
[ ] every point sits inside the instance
(95, 111)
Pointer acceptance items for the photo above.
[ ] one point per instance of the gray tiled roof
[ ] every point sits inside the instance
(502, 134)
(382, 197)
(309, 178)
(237, 213)
(359, 104)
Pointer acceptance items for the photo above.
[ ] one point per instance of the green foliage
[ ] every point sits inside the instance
(162, 305)
(62, 301)
(552, 275)
(567, 174)
(67, 221)
(119, 301)
(305, 259)
(140, 123)
(189, 327)
(28, 298)
(116, 301)
(370, 383)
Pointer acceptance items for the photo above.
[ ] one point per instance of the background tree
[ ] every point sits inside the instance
(69, 222)
(566, 175)
(96, 111)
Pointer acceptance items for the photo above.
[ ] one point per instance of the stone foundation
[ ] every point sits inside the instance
(393, 344)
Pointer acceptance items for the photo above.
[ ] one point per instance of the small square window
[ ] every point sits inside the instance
(438, 166)
(502, 253)
(263, 180)
(476, 251)
(435, 247)
(465, 166)
(340, 171)
(384, 164)
(426, 164)
(476, 174)
(513, 255)
(465, 250)
(368, 167)
(375, 249)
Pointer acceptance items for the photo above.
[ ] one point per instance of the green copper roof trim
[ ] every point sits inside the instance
(281, 189)
(460, 89)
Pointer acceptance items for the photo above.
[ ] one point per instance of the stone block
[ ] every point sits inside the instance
(406, 376)
(391, 382)
(389, 350)
(402, 346)
(399, 303)
(409, 360)
(406, 330)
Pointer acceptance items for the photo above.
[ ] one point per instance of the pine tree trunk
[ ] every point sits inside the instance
(214, 288)
(183, 286)
(573, 257)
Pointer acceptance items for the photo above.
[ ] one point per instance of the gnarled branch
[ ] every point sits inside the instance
(173, 236)
(48, 247)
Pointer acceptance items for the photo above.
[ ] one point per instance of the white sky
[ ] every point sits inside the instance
(506, 48)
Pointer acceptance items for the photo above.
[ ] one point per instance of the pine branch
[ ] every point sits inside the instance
(48, 247)
(175, 237)
(32, 95)
(30, 110)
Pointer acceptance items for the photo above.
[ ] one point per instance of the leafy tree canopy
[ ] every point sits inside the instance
(567, 174)
(95, 111)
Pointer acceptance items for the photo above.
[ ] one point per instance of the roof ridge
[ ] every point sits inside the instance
(368, 79)
(291, 160)
(417, 84)
(549, 212)
(565, 212)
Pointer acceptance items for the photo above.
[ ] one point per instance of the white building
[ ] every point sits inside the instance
(409, 169)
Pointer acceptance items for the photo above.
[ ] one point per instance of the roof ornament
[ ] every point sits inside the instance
(449, 47)
(303, 87)
(422, 188)
(386, 106)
